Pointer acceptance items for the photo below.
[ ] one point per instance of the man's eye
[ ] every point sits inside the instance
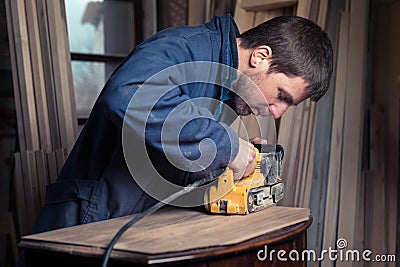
(285, 97)
(281, 96)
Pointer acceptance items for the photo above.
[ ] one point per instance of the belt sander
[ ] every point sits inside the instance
(261, 189)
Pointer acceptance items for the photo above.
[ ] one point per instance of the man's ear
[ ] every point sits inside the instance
(259, 55)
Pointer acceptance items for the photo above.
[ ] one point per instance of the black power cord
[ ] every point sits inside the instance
(149, 211)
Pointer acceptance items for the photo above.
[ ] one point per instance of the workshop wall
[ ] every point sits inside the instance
(341, 157)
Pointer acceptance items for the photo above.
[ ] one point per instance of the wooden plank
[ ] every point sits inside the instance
(322, 13)
(150, 17)
(397, 242)
(16, 85)
(288, 137)
(61, 156)
(49, 78)
(284, 136)
(208, 9)
(20, 197)
(61, 63)
(21, 62)
(360, 231)
(262, 16)
(244, 20)
(38, 75)
(7, 227)
(318, 169)
(29, 189)
(308, 168)
(314, 10)
(336, 148)
(303, 8)
(306, 153)
(13, 238)
(257, 5)
(303, 147)
(34, 183)
(353, 121)
(300, 147)
(393, 132)
(42, 175)
(376, 219)
(381, 91)
(251, 126)
(386, 92)
(196, 12)
(52, 167)
(322, 146)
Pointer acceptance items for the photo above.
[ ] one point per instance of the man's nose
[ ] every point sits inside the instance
(277, 110)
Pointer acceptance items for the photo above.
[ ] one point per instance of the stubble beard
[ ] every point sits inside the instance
(244, 86)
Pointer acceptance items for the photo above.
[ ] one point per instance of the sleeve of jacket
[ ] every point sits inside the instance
(149, 96)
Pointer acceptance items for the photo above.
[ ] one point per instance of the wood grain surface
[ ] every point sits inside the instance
(173, 229)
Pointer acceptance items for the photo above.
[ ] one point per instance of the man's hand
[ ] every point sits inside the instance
(258, 141)
(245, 160)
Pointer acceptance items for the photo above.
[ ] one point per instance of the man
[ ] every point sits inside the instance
(289, 59)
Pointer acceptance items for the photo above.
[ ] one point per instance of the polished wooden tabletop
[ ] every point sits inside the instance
(175, 235)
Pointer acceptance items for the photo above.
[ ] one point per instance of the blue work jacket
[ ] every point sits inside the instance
(95, 182)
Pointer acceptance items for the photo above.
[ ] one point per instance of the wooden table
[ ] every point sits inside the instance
(174, 237)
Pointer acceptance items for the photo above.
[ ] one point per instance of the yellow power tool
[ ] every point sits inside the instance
(261, 189)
